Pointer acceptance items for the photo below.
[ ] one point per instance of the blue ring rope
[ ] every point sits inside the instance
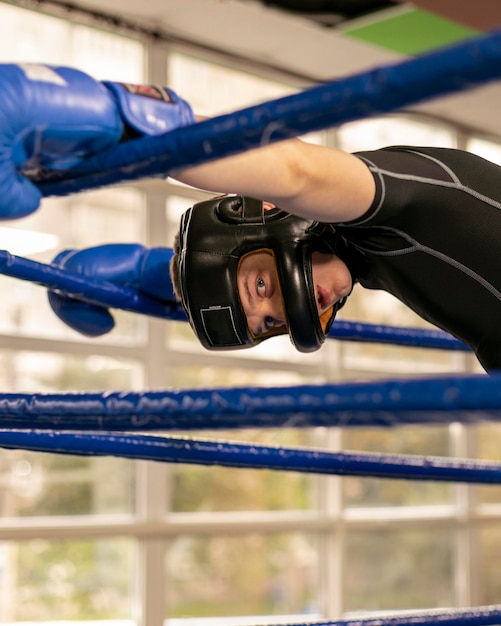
(377, 91)
(254, 456)
(382, 333)
(465, 399)
(480, 616)
(109, 295)
(81, 287)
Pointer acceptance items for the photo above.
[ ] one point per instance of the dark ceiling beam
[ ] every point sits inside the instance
(347, 9)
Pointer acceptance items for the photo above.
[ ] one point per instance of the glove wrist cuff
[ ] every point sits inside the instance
(155, 276)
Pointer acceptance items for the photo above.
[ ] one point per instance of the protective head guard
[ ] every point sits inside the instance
(214, 236)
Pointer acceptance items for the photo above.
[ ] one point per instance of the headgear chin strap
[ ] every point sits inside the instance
(214, 236)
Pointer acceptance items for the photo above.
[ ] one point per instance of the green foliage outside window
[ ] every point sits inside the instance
(73, 580)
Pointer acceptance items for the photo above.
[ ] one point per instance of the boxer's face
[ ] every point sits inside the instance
(260, 293)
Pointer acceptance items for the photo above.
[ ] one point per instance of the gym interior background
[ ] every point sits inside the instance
(113, 542)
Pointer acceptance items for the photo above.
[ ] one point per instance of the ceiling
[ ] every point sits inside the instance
(319, 40)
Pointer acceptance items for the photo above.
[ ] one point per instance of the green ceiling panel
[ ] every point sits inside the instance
(411, 32)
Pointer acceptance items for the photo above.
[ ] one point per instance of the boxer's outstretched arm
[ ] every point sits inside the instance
(311, 181)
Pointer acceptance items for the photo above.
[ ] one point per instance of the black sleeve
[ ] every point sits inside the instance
(405, 175)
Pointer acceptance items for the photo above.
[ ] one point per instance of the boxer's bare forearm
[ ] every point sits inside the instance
(311, 181)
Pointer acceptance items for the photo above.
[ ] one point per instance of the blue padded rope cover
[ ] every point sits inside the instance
(381, 333)
(254, 456)
(381, 90)
(467, 399)
(113, 296)
(81, 287)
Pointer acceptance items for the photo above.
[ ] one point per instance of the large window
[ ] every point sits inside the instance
(114, 541)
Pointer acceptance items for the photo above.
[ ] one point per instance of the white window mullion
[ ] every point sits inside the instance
(466, 544)
(151, 486)
(330, 542)
(149, 602)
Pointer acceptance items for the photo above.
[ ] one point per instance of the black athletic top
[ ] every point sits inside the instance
(432, 238)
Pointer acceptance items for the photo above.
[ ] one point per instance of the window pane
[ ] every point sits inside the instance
(203, 376)
(487, 149)
(33, 36)
(224, 489)
(272, 574)
(366, 492)
(28, 372)
(67, 224)
(49, 581)
(374, 360)
(36, 484)
(229, 89)
(279, 350)
(398, 569)
(206, 488)
(380, 132)
(490, 553)
(488, 436)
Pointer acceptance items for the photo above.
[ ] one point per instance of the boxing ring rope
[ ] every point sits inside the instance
(430, 401)
(482, 616)
(93, 291)
(109, 295)
(239, 455)
(107, 423)
(380, 90)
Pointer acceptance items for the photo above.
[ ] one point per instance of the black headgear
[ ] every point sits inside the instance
(214, 236)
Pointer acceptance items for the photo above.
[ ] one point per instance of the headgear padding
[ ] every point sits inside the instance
(214, 236)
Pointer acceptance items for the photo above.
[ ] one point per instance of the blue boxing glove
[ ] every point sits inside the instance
(126, 265)
(52, 118)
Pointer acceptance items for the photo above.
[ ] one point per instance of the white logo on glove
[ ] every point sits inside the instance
(42, 73)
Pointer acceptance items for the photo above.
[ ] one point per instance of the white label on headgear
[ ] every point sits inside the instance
(219, 326)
